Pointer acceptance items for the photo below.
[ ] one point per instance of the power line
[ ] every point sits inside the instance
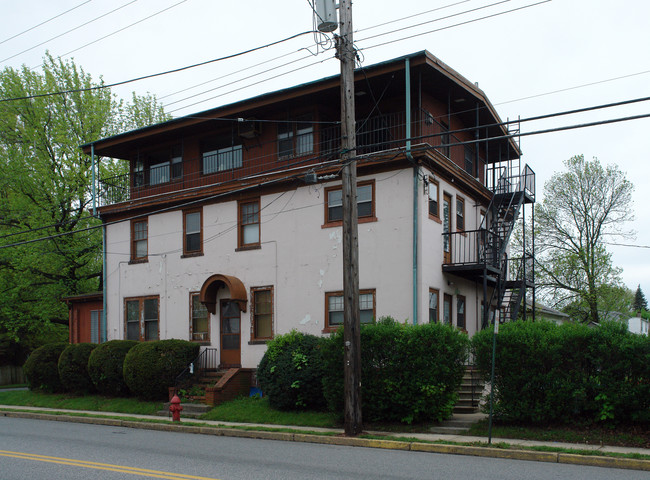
(451, 26)
(144, 77)
(626, 245)
(412, 16)
(71, 30)
(44, 22)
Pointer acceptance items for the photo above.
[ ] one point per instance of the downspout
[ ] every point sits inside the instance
(104, 333)
(94, 192)
(409, 156)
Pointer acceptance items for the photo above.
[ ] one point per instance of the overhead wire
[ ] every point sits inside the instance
(69, 31)
(44, 22)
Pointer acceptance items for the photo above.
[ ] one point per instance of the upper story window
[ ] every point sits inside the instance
(249, 223)
(365, 203)
(434, 199)
(165, 165)
(460, 214)
(296, 138)
(139, 240)
(221, 154)
(192, 232)
(469, 160)
(445, 139)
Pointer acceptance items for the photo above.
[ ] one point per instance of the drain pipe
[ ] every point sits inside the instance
(409, 156)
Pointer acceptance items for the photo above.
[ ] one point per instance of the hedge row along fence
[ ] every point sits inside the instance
(115, 368)
(410, 373)
(562, 373)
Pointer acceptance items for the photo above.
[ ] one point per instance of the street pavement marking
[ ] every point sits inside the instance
(102, 466)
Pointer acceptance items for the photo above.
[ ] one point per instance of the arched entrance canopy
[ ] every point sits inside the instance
(211, 286)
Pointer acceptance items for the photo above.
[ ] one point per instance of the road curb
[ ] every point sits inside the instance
(530, 455)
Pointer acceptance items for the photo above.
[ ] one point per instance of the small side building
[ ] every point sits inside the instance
(85, 318)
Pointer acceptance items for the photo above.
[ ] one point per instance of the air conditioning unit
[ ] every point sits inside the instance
(249, 128)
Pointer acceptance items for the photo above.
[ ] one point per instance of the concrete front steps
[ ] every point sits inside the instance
(469, 394)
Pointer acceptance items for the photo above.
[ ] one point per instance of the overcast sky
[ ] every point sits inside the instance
(545, 57)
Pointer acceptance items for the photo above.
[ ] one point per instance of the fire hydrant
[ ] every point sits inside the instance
(175, 407)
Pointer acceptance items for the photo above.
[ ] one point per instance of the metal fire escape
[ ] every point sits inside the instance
(482, 255)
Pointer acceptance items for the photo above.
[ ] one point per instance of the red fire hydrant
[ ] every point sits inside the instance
(175, 407)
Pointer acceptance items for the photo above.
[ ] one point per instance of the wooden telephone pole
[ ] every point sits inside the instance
(351, 321)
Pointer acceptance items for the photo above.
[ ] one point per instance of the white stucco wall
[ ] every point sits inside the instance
(298, 257)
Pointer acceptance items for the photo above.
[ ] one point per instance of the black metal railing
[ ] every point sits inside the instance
(206, 360)
(473, 247)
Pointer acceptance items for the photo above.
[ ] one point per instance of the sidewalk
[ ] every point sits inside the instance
(390, 440)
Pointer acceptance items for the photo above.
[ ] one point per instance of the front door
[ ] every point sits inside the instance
(230, 334)
(446, 228)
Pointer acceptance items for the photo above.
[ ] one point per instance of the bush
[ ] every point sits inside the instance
(409, 373)
(106, 367)
(291, 370)
(150, 368)
(41, 368)
(73, 368)
(563, 373)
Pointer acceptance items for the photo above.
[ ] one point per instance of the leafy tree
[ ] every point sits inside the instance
(640, 302)
(582, 208)
(45, 188)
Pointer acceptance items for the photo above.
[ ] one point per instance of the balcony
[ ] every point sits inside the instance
(374, 134)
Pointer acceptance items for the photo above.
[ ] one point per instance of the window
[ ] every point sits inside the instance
(262, 313)
(192, 232)
(141, 316)
(222, 159)
(138, 173)
(334, 308)
(296, 138)
(139, 235)
(165, 165)
(249, 223)
(460, 214)
(200, 320)
(460, 311)
(444, 138)
(434, 296)
(446, 309)
(434, 210)
(96, 327)
(365, 203)
(469, 160)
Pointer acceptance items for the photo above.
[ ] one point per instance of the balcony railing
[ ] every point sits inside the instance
(473, 248)
(374, 134)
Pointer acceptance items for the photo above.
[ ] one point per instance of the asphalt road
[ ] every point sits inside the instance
(38, 449)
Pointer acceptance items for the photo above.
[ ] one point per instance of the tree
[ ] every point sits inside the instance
(45, 188)
(582, 208)
(640, 302)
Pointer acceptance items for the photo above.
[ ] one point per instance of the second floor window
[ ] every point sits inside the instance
(249, 223)
(296, 138)
(469, 160)
(165, 165)
(365, 203)
(139, 237)
(192, 238)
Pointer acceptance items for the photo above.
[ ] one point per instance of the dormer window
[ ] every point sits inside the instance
(221, 154)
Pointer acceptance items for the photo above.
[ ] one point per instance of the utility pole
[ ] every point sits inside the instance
(351, 321)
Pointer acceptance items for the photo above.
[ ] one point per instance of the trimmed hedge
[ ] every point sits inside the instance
(291, 370)
(73, 368)
(562, 373)
(409, 373)
(106, 367)
(150, 368)
(41, 368)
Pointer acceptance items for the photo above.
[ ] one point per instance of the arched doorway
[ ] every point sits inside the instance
(229, 315)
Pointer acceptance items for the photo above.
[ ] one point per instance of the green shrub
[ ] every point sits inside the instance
(41, 368)
(291, 370)
(150, 368)
(73, 368)
(106, 367)
(409, 373)
(563, 373)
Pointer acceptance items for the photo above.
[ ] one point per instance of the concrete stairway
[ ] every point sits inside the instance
(458, 424)
(470, 392)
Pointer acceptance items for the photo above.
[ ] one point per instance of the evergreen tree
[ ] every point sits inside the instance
(640, 302)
